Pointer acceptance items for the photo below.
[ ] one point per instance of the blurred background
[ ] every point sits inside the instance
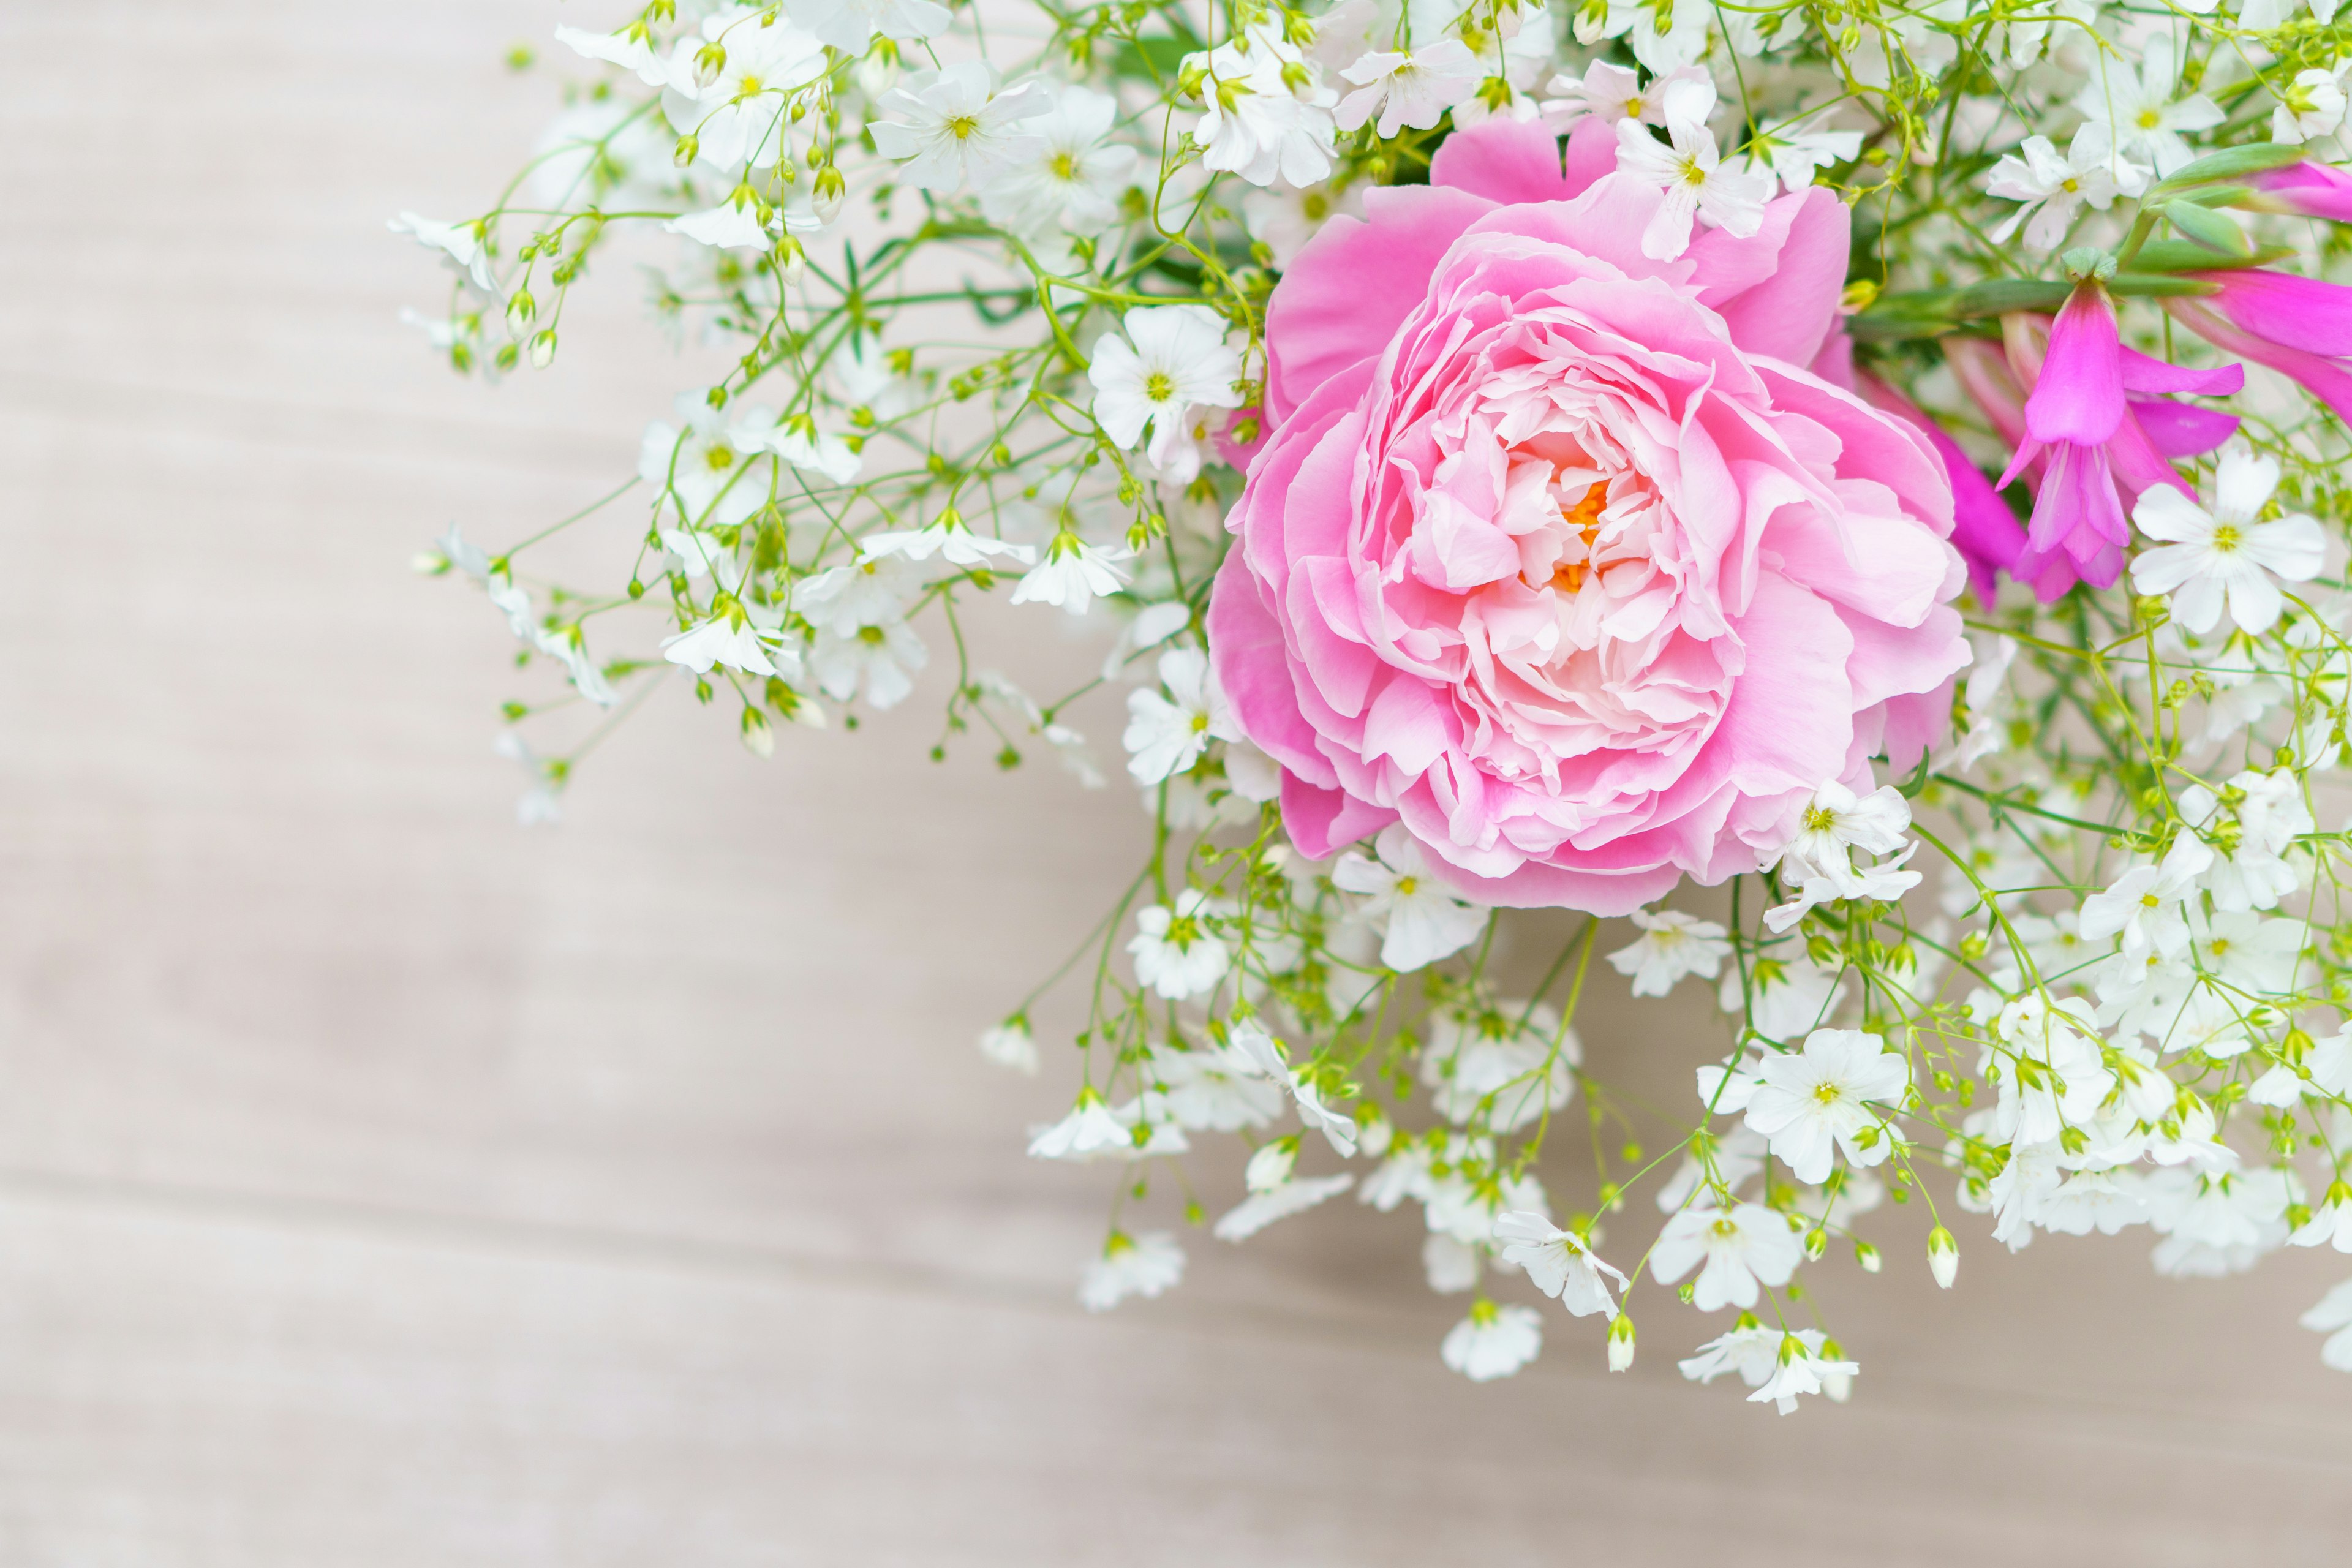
(383, 1183)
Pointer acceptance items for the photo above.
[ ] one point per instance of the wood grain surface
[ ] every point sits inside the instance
(383, 1185)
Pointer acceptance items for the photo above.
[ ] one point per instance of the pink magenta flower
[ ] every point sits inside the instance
(2092, 444)
(2300, 327)
(2305, 190)
(1556, 554)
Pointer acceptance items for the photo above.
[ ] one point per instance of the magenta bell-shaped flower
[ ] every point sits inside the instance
(2305, 190)
(2300, 327)
(2097, 445)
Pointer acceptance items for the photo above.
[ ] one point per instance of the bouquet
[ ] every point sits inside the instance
(1848, 498)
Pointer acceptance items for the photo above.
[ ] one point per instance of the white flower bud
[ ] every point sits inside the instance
(757, 738)
(542, 349)
(1621, 1343)
(1943, 1257)
(1271, 1166)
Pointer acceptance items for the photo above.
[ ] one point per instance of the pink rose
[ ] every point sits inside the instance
(1556, 554)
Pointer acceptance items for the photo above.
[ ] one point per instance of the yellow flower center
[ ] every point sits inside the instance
(962, 126)
(1159, 386)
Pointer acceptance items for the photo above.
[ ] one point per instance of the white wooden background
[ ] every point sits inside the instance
(380, 1184)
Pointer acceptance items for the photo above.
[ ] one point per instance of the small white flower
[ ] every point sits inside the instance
(739, 115)
(951, 540)
(882, 658)
(1665, 37)
(1011, 1046)
(727, 638)
(1558, 1262)
(2311, 107)
(955, 129)
(1409, 89)
(1492, 1342)
(631, 48)
(1698, 182)
(1073, 180)
(1174, 953)
(1783, 997)
(1748, 1349)
(1748, 1245)
(1179, 357)
(2330, 1224)
(1074, 573)
(1167, 735)
(2333, 1317)
(1805, 1364)
(2226, 556)
(1255, 1045)
(1284, 220)
(1835, 822)
(850, 25)
(1266, 113)
(1672, 944)
(1816, 1104)
(730, 225)
(1130, 1266)
(1610, 93)
(2143, 905)
(1796, 153)
(1422, 916)
(461, 243)
(1087, 1132)
(1258, 1211)
(2053, 189)
(1218, 1090)
(2144, 120)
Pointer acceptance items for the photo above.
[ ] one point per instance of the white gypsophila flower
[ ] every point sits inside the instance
(2271, 815)
(955, 129)
(1492, 1342)
(1782, 998)
(1664, 37)
(1796, 151)
(738, 113)
(1253, 1044)
(2144, 120)
(1420, 917)
(1284, 220)
(1736, 1156)
(2330, 1224)
(1174, 952)
(1514, 56)
(539, 805)
(2311, 107)
(1887, 881)
(461, 245)
(1740, 1249)
(881, 658)
(1072, 179)
(1011, 1046)
(850, 25)
(951, 540)
(1074, 573)
(842, 599)
(1560, 1263)
(735, 224)
(728, 639)
(1451, 1267)
(1672, 944)
(1266, 112)
(2333, 1317)
(1258, 1211)
(1610, 93)
(1835, 822)
(711, 468)
(631, 48)
(2143, 906)
(1698, 185)
(1504, 1066)
(2268, 16)
(1142, 1266)
(1171, 357)
(1806, 1363)
(2225, 557)
(2053, 190)
(1748, 1349)
(1089, 1131)
(1408, 89)
(1830, 1099)
(2217, 1224)
(1167, 734)
(1218, 1090)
